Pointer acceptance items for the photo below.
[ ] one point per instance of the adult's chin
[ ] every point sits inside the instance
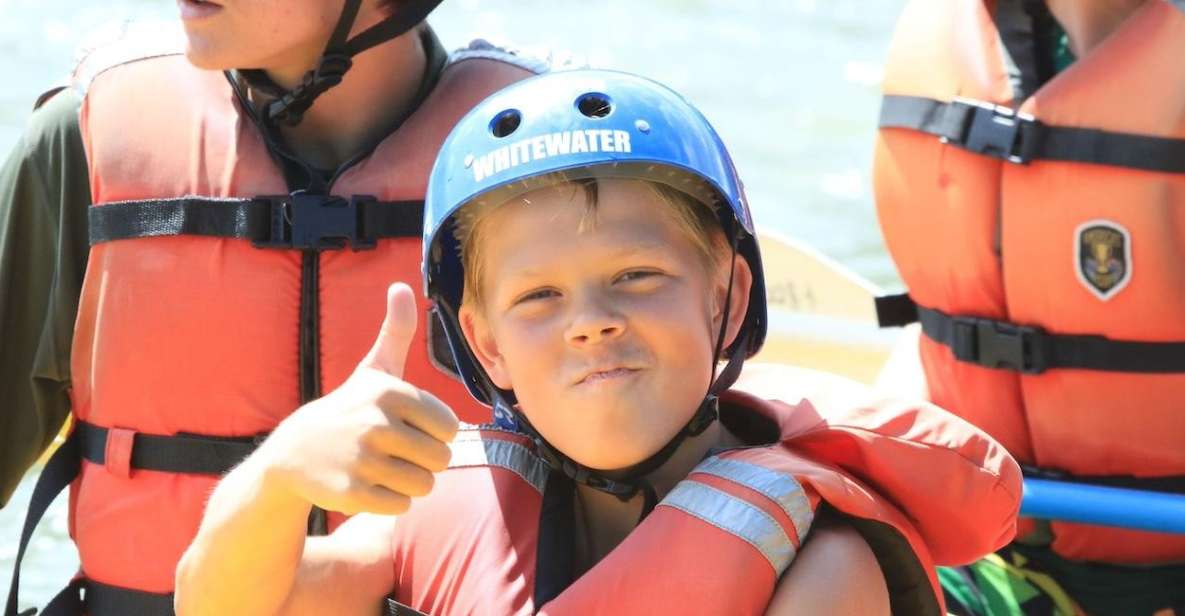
(204, 52)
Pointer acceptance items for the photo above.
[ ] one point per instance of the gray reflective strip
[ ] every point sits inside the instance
(471, 451)
(781, 488)
(735, 516)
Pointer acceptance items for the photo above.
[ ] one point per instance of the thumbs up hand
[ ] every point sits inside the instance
(372, 444)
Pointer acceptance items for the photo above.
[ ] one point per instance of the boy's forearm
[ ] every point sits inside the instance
(247, 551)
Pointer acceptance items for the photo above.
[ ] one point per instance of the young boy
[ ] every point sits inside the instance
(582, 239)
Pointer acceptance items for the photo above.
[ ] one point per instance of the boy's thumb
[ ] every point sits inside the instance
(389, 352)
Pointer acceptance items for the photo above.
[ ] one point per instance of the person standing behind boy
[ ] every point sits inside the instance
(592, 256)
(1030, 178)
(249, 195)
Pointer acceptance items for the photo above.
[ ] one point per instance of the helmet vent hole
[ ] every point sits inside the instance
(505, 123)
(594, 105)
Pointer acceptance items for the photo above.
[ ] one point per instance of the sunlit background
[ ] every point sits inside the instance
(791, 85)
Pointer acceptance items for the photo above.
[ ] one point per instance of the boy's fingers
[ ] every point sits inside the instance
(421, 410)
(412, 445)
(389, 353)
(380, 500)
(431, 416)
(397, 475)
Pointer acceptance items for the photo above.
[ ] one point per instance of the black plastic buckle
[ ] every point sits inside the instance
(1000, 345)
(302, 221)
(993, 130)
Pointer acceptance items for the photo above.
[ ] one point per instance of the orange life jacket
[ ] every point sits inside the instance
(1039, 229)
(208, 313)
(922, 486)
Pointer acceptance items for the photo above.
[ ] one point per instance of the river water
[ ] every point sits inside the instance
(791, 85)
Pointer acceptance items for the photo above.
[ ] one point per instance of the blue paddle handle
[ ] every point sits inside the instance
(1076, 502)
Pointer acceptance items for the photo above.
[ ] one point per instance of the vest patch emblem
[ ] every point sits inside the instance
(1103, 257)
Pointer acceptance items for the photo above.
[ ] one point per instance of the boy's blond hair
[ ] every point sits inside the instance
(694, 218)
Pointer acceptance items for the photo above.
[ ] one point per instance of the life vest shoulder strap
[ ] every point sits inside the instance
(491, 447)
(1000, 132)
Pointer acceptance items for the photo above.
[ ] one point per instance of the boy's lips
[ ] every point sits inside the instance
(600, 374)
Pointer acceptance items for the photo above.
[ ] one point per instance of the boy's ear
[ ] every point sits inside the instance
(485, 349)
(742, 284)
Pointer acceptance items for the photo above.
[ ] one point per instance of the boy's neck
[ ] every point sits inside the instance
(380, 87)
(603, 520)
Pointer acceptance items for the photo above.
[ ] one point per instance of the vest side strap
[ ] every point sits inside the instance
(59, 471)
(1032, 350)
(391, 607)
(181, 453)
(895, 310)
(105, 600)
(1000, 132)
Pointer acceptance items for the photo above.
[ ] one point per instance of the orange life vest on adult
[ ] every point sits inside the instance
(1039, 229)
(208, 314)
(922, 486)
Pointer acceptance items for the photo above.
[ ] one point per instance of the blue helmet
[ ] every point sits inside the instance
(585, 123)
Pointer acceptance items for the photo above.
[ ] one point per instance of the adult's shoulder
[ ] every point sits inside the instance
(533, 59)
(53, 123)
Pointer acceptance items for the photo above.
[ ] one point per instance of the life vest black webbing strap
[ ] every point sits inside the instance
(68, 602)
(83, 596)
(181, 453)
(1000, 132)
(1169, 484)
(59, 471)
(1032, 350)
(555, 557)
(104, 600)
(299, 221)
(895, 310)
(391, 607)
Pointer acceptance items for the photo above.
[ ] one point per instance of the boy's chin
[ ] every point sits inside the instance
(616, 455)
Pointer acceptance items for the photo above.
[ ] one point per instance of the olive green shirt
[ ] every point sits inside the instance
(44, 194)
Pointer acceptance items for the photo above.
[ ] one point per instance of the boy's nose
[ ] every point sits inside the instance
(594, 323)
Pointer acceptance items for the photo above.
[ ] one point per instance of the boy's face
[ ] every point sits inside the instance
(604, 333)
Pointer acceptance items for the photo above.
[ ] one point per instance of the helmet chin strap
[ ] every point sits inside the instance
(289, 106)
(633, 479)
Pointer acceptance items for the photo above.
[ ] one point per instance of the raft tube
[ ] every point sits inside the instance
(1105, 506)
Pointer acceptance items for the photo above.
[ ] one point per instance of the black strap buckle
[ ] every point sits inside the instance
(996, 344)
(303, 221)
(994, 130)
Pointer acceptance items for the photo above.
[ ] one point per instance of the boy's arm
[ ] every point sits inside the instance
(370, 445)
(44, 195)
(834, 573)
(251, 555)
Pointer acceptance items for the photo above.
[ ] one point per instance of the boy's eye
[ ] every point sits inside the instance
(633, 275)
(535, 295)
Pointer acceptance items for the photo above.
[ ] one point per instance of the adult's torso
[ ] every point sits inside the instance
(189, 334)
(1070, 247)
